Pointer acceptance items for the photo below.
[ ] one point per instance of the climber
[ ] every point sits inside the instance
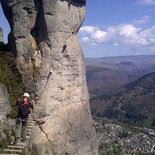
(25, 107)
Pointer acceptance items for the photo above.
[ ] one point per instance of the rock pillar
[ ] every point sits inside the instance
(50, 60)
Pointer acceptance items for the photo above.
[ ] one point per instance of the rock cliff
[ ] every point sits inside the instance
(6, 124)
(4, 102)
(50, 60)
(1, 35)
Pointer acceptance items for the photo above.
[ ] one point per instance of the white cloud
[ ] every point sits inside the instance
(148, 35)
(127, 30)
(85, 39)
(92, 33)
(99, 36)
(93, 44)
(124, 34)
(146, 2)
(143, 20)
(88, 29)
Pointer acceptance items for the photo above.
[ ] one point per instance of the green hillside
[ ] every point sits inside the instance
(105, 75)
(136, 104)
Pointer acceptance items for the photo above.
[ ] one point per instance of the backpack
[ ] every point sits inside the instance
(24, 108)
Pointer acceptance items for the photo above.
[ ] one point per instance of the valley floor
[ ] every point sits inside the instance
(121, 139)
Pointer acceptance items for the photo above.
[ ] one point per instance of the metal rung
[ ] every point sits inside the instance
(30, 121)
(29, 129)
(27, 137)
(7, 154)
(18, 147)
(30, 118)
(23, 144)
(11, 150)
(15, 146)
(30, 126)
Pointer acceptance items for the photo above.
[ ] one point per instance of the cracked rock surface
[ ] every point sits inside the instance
(50, 60)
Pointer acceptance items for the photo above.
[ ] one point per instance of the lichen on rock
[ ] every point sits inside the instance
(51, 63)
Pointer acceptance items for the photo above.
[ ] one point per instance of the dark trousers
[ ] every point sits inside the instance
(20, 128)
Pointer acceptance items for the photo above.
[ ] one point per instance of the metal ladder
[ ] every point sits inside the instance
(17, 149)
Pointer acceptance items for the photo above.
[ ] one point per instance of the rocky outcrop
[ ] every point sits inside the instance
(1, 36)
(49, 58)
(6, 124)
(4, 101)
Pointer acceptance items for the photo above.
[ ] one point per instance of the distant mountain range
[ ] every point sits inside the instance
(123, 88)
(105, 75)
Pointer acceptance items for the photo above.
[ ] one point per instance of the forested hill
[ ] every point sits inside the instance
(136, 104)
(105, 75)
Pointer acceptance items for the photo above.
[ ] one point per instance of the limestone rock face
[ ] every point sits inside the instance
(6, 124)
(4, 102)
(50, 60)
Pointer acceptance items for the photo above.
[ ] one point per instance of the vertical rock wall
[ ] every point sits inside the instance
(50, 60)
(6, 125)
(4, 101)
(1, 35)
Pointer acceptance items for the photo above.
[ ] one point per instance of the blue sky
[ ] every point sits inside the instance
(4, 25)
(118, 27)
(114, 28)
